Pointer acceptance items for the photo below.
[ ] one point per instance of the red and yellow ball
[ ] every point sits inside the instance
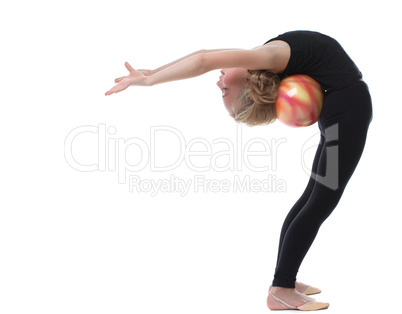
(299, 101)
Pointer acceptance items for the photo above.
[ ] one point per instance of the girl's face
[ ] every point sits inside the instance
(231, 82)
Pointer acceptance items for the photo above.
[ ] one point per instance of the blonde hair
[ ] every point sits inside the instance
(256, 103)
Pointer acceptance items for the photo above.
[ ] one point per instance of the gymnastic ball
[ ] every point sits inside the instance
(299, 101)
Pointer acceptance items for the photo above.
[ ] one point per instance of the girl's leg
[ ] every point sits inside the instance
(303, 198)
(349, 110)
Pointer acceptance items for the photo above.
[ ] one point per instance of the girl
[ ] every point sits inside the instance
(249, 82)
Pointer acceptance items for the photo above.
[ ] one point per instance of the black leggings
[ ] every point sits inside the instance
(344, 122)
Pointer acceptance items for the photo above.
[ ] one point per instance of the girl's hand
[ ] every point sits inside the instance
(134, 78)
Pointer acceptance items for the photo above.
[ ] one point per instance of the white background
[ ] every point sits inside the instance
(80, 242)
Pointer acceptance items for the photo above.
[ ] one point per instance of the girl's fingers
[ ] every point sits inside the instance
(117, 88)
(129, 67)
(108, 93)
(111, 91)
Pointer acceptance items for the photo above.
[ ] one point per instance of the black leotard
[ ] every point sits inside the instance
(320, 57)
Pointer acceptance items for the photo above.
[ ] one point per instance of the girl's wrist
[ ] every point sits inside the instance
(142, 81)
(150, 80)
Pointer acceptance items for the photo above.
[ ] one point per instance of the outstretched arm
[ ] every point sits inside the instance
(269, 57)
(150, 72)
(264, 57)
(187, 68)
(138, 77)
